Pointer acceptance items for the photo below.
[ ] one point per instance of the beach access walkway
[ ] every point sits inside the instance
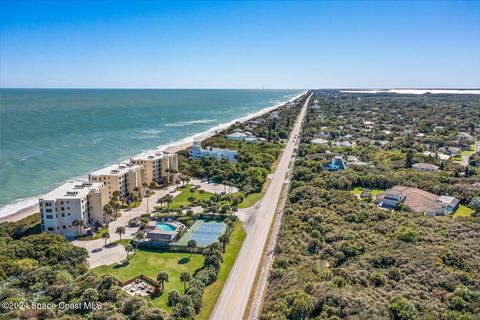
(233, 300)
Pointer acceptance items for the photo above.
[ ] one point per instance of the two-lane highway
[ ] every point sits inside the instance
(233, 300)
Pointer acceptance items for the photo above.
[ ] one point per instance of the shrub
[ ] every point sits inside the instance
(377, 279)
(407, 234)
(401, 309)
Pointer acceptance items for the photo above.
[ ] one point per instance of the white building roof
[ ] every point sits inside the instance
(72, 189)
(448, 200)
(319, 141)
(152, 155)
(115, 170)
(237, 135)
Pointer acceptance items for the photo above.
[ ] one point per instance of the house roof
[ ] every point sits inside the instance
(319, 141)
(448, 200)
(425, 166)
(422, 201)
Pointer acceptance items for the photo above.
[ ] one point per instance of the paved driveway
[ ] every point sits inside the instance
(98, 254)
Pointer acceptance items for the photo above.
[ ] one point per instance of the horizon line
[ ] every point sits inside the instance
(212, 88)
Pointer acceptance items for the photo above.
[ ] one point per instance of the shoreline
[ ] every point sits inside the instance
(172, 147)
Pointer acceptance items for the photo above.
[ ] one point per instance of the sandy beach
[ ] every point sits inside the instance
(174, 147)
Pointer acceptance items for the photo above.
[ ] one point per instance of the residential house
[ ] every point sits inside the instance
(428, 167)
(441, 156)
(463, 136)
(242, 136)
(451, 151)
(319, 141)
(345, 144)
(352, 160)
(337, 163)
(216, 153)
(418, 201)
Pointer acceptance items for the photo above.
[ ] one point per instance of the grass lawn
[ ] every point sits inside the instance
(468, 152)
(134, 204)
(98, 235)
(150, 263)
(251, 199)
(463, 211)
(182, 198)
(212, 292)
(124, 242)
(358, 190)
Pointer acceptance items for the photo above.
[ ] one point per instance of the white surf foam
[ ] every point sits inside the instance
(17, 206)
(24, 203)
(188, 123)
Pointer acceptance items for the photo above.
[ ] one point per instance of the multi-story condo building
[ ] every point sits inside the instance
(63, 208)
(217, 153)
(123, 178)
(159, 166)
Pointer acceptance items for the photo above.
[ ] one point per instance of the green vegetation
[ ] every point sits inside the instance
(213, 291)
(463, 211)
(255, 160)
(468, 152)
(134, 204)
(341, 258)
(150, 263)
(358, 190)
(251, 199)
(182, 199)
(99, 235)
(46, 268)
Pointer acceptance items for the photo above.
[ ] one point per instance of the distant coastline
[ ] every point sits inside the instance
(29, 206)
(415, 91)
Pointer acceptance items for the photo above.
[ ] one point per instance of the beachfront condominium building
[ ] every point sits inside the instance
(62, 209)
(216, 153)
(124, 178)
(159, 166)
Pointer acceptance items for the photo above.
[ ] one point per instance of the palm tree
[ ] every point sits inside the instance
(202, 192)
(80, 224)
(168, 199)
(191, 245)
(144, 221)
(128, 249)
(161, 201)
(223, 240)
(106, 236)
(192, 191)
(185, 277)
(120, 231)
(148, 196)
(172, 172)
(140, 236)
(107, 211)
(114, 202)
(162, 277)
(75, 224)
(187, 179)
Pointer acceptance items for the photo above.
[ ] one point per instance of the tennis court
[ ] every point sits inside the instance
(203, 232)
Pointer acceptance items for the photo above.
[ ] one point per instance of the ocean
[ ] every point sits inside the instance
(48, 136)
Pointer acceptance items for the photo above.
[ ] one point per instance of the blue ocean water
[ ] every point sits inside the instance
(48, 136)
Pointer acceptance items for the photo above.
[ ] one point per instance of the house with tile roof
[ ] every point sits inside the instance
(418, 201)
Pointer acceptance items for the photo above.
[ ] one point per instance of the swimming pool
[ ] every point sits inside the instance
(165, 226)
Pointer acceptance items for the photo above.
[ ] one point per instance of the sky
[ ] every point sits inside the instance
(239, 44)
